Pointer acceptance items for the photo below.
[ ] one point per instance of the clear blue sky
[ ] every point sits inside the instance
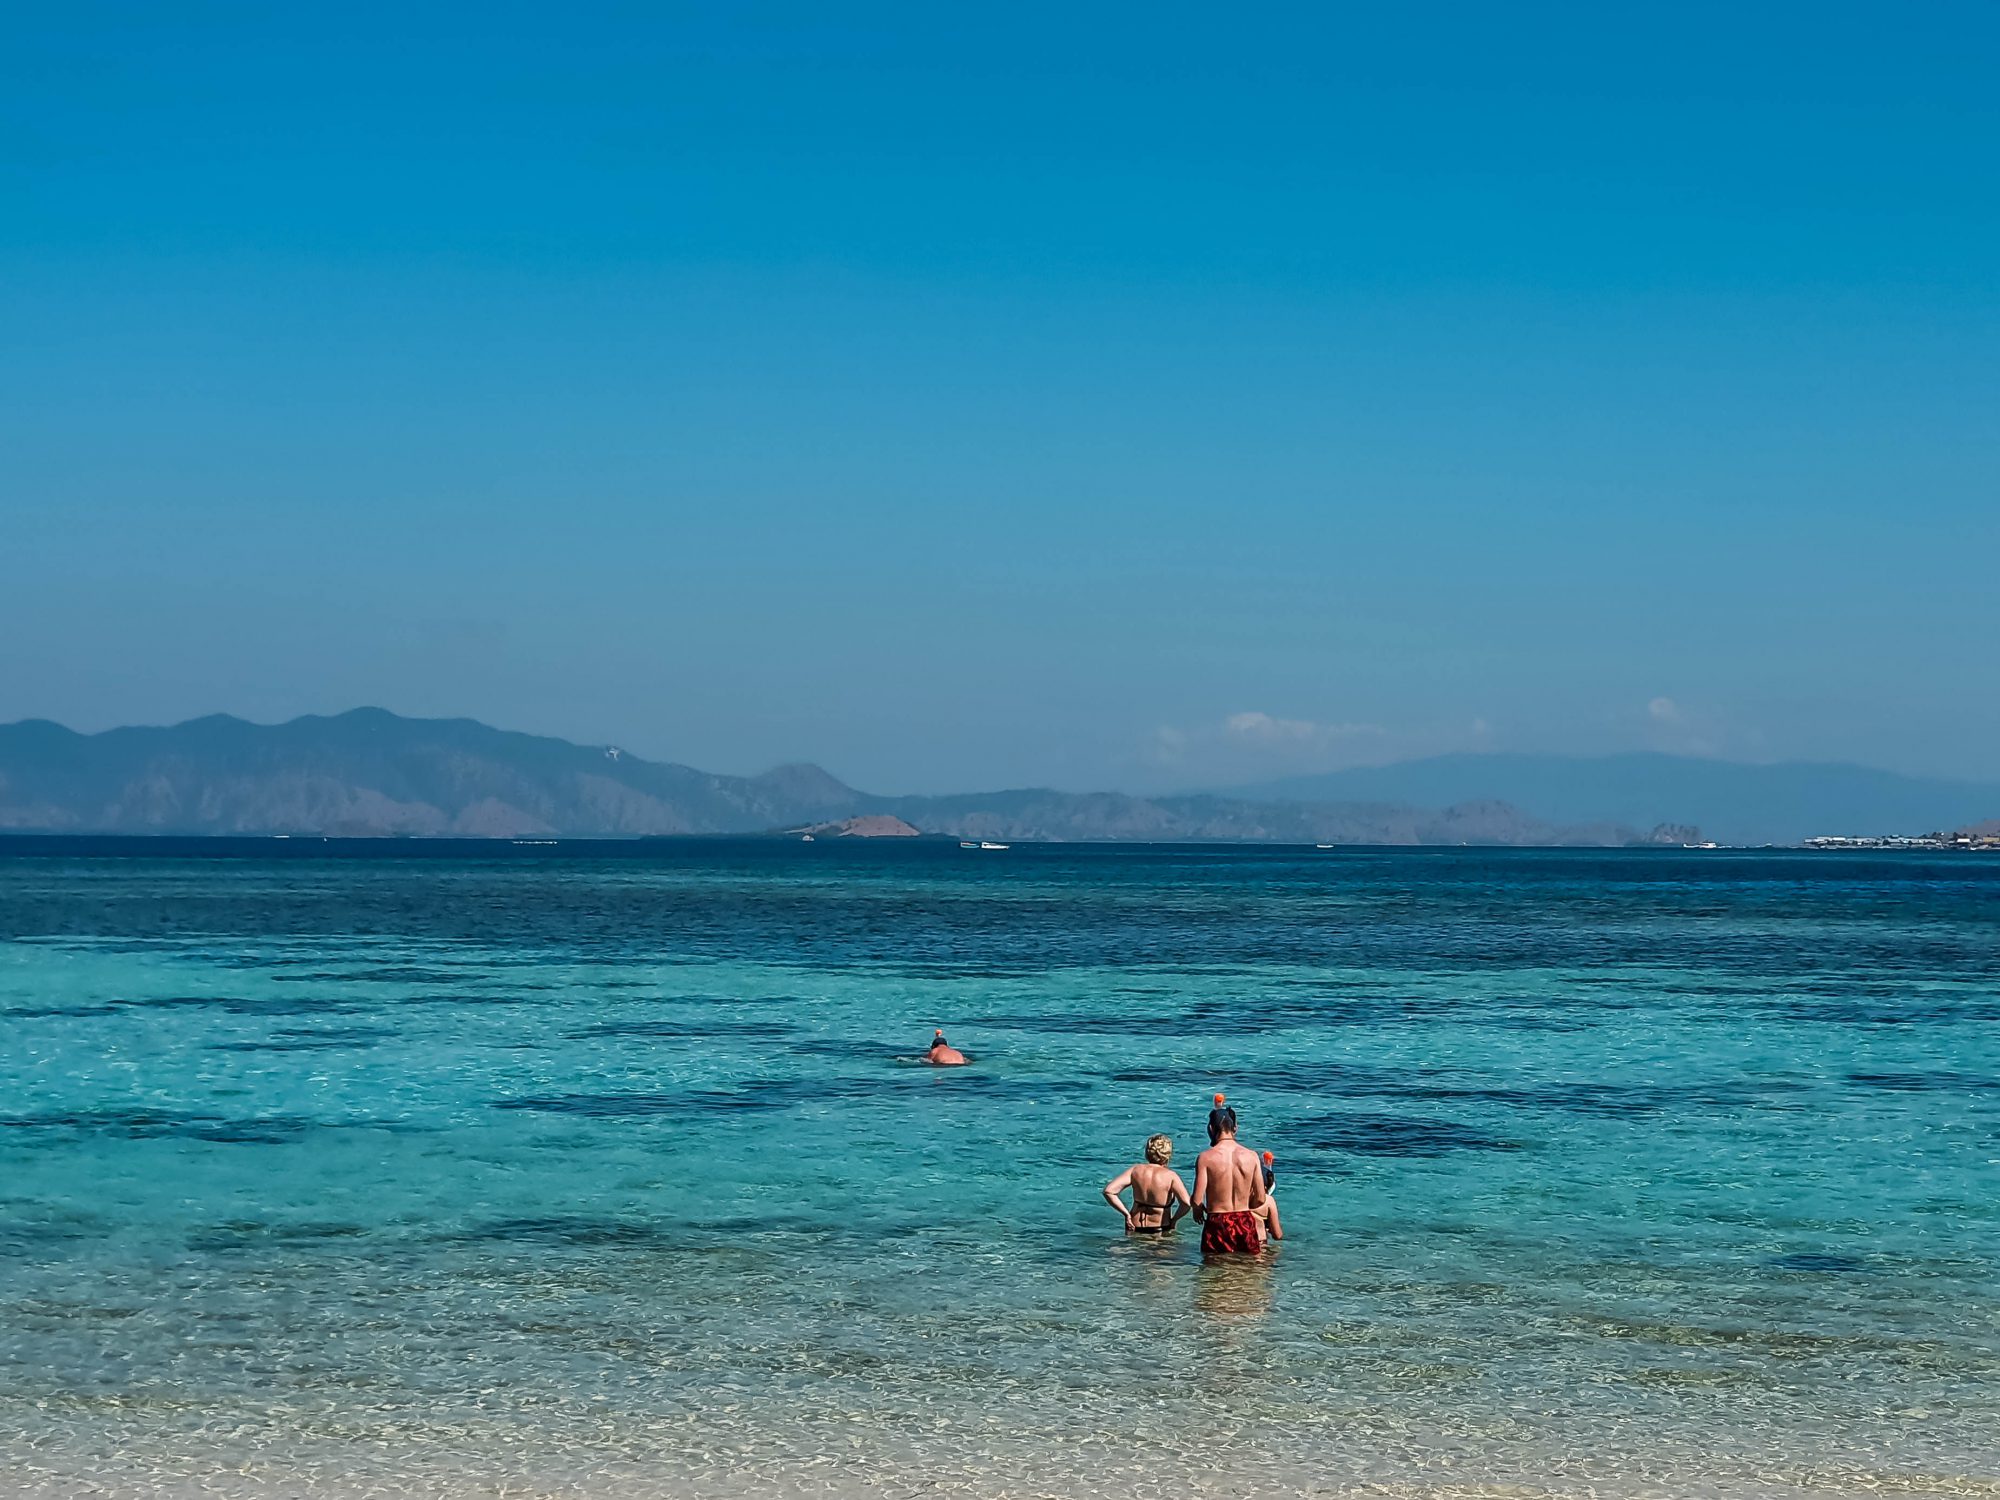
(1129, 396)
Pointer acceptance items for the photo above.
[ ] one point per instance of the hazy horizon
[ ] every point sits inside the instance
(963, 401)
(947, 786)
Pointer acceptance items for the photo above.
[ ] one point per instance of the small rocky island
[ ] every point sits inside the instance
(870, 826)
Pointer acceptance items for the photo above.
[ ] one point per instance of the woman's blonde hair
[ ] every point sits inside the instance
(1159, 1149)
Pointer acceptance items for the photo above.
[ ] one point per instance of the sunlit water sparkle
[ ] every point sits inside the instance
(597, 1173)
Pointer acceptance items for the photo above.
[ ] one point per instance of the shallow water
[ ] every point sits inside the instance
(593, 1172)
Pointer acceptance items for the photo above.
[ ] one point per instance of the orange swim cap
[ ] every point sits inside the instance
(1218, 1101)
(1269, 1158)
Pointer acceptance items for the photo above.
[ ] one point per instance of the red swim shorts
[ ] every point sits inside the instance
(1231, 1234)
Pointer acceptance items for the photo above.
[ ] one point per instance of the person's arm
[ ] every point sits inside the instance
(1178, 1201)
(1198, 1205)
(1112, 1189)
(1271, 1218)
(1257, 1193)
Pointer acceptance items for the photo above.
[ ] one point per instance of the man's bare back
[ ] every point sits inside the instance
(1228, 1187)
(944, 1055)
(1228, 1179)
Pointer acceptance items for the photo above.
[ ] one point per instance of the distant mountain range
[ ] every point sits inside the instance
(1732, 802)
(371, 772)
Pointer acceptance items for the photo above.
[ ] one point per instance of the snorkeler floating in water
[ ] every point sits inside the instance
(1229, 1190)
(943, 1054)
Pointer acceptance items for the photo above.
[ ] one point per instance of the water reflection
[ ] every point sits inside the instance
(1235, 1289)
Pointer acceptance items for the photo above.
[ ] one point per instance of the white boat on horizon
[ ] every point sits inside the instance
(989, 844)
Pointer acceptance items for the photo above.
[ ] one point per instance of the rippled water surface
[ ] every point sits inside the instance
(429, 1170)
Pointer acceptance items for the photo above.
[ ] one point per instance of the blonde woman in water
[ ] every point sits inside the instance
(1159, 1197)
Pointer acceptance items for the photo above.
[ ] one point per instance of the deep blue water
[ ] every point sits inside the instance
(601, 1169)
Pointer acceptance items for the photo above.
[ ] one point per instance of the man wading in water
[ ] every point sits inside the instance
(1228, 1189)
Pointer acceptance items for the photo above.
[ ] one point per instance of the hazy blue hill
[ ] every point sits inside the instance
(370, 771)
(1043, 814)
(1733, 802)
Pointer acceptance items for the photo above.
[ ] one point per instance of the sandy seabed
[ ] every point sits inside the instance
(1421, 1466)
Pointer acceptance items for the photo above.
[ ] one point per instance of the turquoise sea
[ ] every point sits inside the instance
(586, 1170)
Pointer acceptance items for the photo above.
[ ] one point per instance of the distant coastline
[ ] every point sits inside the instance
(369, 773)
(710, 850)
(1985, 838)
